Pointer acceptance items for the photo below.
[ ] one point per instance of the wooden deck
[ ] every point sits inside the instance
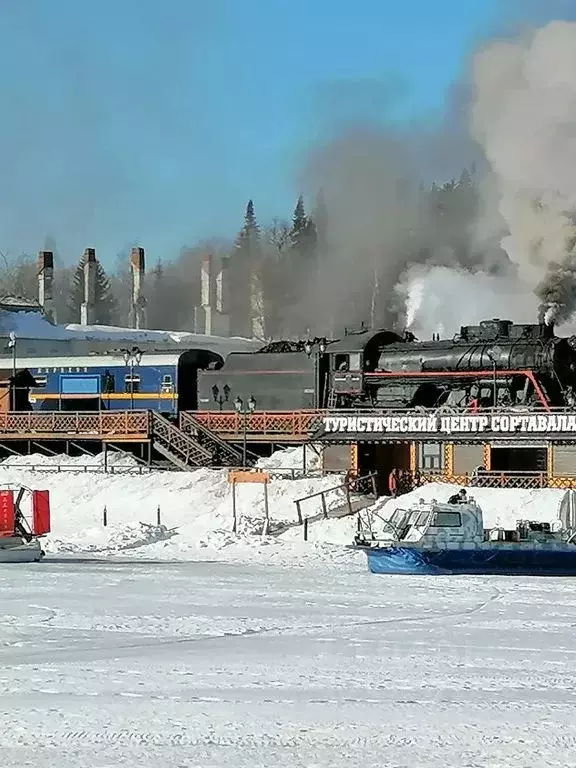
(103, 426)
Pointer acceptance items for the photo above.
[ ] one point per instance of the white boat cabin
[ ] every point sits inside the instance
(436, 525)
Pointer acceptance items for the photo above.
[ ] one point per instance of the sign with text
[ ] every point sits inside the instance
(239, 476)
(501, 423)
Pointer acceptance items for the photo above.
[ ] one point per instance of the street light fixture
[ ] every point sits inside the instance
(218, 398)
(245, 411)
(131, 358)
(12, 346)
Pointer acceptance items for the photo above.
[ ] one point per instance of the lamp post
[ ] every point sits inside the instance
(218, 398)
(245, 410)
(132, 357)
(12, 346)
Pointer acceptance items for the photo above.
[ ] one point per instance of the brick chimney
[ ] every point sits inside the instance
(45, 266)
(88, 305)
(138, 302)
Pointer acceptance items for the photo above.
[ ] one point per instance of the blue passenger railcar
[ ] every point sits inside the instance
(160, 382)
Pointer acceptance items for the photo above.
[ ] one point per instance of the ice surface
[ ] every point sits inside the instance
(208, 664)
(181, 646)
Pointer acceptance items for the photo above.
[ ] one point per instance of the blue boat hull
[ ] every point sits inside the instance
(497, 561)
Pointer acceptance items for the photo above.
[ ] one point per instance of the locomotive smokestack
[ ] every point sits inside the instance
(548, 313)
(87, 308)
(45, 279)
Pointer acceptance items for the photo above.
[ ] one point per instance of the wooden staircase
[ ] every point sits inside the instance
(181, 449)
(223, 453)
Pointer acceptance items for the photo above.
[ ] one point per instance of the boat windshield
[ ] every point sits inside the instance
(419, 519)
(447, 520)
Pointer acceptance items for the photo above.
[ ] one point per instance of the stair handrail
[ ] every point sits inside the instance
(185, 416)
(165, 430)
(346, 485)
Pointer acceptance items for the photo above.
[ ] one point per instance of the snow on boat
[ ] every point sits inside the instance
(443, 538)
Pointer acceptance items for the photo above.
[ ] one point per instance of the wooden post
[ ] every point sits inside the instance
(324, 508)
(299, 511)
(234, 521)
(304, 459)
(105, 517)
(105, 452)
(349, 502)
(158, 517)
(266, 512)
(306, 529)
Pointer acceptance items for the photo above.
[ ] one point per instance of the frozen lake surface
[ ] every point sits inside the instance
(142, 664)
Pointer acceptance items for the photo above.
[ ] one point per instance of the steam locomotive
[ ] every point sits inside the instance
(495, 363)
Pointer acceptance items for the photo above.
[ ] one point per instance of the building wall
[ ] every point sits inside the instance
(467, 458)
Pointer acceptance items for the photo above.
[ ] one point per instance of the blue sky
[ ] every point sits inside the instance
(155, 120)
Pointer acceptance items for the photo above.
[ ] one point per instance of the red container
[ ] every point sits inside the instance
(40, 512)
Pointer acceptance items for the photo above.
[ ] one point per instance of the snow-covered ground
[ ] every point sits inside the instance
(138, 647)
(141, 665)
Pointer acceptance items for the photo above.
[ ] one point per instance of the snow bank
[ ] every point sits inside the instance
(196, 510)
(293, 459)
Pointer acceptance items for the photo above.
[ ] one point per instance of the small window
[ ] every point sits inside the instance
(132, 384)
(447, 520)
(430, 456)
(341, 362)
(167, 386)
(41, 382)
(422, 518)
(355, 364)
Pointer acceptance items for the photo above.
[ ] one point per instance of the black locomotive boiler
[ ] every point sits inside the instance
(494, 363)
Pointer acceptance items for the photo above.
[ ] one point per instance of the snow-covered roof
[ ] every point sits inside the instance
(34, 326)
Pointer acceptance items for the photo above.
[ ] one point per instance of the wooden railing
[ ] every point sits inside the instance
(68, 423)
(348, 487)
(495, 479)
(267, 423)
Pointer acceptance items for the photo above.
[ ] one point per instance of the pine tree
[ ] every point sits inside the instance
(157, 306)
(300, 271)
(320, 218)
(244, 272)
(104, 303)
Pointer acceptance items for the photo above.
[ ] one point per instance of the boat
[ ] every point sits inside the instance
(434, 538)
(16, 549)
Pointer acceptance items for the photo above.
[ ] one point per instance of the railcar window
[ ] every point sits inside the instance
(132, 383)
(447, 520)
(342, 362)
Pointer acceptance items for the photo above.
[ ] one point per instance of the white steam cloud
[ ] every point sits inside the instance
(524, 117)
(441, 299)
